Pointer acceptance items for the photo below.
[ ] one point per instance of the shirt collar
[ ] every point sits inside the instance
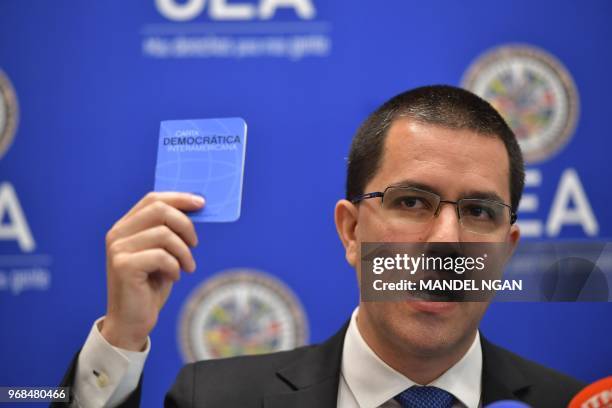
(373, 382)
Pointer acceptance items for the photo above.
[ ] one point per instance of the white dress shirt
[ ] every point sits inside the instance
(368, 382)
(107, 375)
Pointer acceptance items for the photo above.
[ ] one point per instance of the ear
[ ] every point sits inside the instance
(513, 239)
(345, 216)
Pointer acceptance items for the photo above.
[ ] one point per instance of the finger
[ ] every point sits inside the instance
(157, 213)
(157, 237)
(150, 261)
(182, 201)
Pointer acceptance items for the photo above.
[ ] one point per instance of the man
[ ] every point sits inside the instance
(438, 141)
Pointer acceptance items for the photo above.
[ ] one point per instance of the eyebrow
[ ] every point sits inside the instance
(416, 184)
(483, 195)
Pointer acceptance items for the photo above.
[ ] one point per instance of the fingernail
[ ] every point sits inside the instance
(197, 200)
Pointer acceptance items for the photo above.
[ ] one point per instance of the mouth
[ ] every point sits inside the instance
(434, 301)
(432, 307)
(434, 288)
(436, 296)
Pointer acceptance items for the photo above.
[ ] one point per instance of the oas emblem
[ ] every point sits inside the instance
(9, 113)
(534, 93)
(239, 312)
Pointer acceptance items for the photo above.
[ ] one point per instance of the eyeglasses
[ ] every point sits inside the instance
(418, 207)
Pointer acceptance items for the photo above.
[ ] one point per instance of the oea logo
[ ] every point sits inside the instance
(570, 207)
(16, 229)
(222, 10)
(13, 223)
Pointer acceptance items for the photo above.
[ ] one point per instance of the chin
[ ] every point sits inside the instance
(423, 334)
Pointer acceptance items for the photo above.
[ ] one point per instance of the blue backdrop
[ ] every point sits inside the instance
(94, 79)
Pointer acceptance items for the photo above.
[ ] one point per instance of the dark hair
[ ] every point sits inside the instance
(442, 105)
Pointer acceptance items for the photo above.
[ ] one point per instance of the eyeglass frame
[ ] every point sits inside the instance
(381, 194)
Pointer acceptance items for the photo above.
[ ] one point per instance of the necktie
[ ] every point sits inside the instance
(425, 397)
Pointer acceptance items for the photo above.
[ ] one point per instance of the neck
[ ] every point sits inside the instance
(420, 366)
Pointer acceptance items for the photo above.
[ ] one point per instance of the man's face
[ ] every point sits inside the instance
(455, 164)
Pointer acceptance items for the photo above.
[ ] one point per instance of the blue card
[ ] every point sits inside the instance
(205, 157)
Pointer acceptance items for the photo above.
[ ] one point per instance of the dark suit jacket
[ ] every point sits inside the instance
(309, 377)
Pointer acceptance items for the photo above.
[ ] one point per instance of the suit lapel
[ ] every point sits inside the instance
(501, 379)
(313, 379)
(323, 394)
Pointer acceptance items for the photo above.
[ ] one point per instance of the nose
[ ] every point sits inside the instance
(445, 226)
